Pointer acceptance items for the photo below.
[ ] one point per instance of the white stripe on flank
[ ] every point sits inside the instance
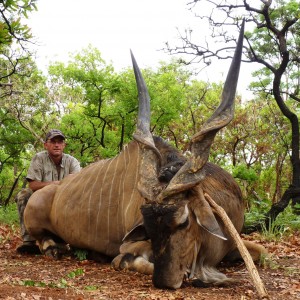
(126, 163)
(90, 208)
(107, 189)
(110, 194)
(133, 190)
(123, 193)
(101, 198)
(57, 196)
(119, 200)
(63, 188)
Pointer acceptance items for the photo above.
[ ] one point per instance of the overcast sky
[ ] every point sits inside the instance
(114, 27)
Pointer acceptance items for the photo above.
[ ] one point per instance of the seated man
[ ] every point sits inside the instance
(46, 167)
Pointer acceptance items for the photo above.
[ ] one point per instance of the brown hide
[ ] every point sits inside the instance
(36, 214)
(221, 186)
(95, 208)
(224, 190)
(175, 247)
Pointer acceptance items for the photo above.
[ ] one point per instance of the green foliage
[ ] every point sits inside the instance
(9, 214)
(256, 211)
(98, 118)
(34, 283)
(11, 27)
(242, 172)
(14, 39)
(75, 273)
(268, 261)
(81, 254)
(275, 232)
(22, 119)
(63, 283)
(286, 221)
(91, 288)
(101, 106)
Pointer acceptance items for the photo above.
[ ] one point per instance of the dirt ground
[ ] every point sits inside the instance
(37, 277)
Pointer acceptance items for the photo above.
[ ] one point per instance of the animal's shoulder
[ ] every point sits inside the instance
(216, 176)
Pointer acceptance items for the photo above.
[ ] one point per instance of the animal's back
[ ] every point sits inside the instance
(95, 208)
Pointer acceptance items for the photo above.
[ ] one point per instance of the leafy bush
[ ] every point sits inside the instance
(242, 172)
(285, 222)
(81, 254)
(288, 219)
(9, 214)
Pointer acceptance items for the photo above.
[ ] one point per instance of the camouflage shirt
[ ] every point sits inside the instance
(43, 169)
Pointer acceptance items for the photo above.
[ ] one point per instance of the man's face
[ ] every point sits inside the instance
(55, 146)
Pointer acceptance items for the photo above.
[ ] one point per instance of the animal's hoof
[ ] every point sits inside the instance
(52, 252)
(116, 262)
(123, 261)
(28, 248)
(199, 283)
(127, 261)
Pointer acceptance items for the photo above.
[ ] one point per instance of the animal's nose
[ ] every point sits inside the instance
(162, 284)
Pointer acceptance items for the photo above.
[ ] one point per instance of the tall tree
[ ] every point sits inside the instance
(99, 106)
(273, 41)
(25, 116)
(87, 89)
(14, 39)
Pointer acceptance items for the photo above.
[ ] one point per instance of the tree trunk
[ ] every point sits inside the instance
(295, 160)
(293, 191)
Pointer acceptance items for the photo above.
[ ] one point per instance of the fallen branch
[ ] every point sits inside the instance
(262, 292)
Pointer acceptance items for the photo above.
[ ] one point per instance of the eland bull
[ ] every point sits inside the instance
(146, 207)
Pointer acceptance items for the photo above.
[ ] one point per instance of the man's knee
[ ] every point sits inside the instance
(23, 196)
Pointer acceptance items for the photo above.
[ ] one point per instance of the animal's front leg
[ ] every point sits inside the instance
(53, 249)
(135, 256)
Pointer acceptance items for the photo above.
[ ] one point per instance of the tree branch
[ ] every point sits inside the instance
(262, 292)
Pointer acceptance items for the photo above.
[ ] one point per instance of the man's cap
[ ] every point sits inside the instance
(54, 133)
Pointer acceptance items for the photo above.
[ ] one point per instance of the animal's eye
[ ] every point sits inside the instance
(184, 224)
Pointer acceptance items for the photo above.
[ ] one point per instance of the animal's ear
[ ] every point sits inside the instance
(205, 216)
(138, 233)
